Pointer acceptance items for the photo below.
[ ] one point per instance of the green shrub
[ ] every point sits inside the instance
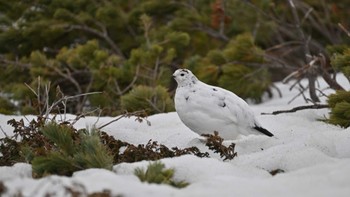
(341, 61)
(157, 173)
(6, 107)
(71, 152)
(54, 148)
(245, 81)
(153, 100)
(340, 108)
(238, 67)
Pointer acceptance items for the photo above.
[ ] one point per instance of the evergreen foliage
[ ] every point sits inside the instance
(68, 154)
(153, 100)
(112, 46)
(157, 173)
(54, 148)
(340, 101)
(238, 67)
(6, 107)
(341, 60)
(340, 108)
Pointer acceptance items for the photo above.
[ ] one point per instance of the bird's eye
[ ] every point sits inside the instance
(182, 74)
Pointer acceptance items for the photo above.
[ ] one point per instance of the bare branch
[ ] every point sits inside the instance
(6, 62)
(82, 115)
(67, 76)
(301, 93)
(155, 72)
(211, 32)
(154, 106)
(306, 15)
(127, 115)
(129, 86)
(64, 99)
(298, 27)
(46, 98)
(312, 89)
(284, 44)
(316, 106)
(31, 89)
(326, 76)
(322, 93)
(344, 29)
(277, 89)
(222, 18)
(2, 130)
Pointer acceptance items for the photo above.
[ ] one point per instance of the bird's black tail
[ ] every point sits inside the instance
(263, 130)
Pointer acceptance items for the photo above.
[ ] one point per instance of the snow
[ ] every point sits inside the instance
(314, 155)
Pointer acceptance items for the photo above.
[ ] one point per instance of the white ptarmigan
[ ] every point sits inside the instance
(204, 109)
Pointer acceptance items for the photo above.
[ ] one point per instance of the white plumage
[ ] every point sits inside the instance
(204, 108)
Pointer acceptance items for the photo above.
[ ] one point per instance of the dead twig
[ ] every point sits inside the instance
(2, 130)
(317, 65)
(138, 114)
(211, 32)
(325, 74)
(154, 106)
(295, 109)
(64, 99)
(82, 115)
(301, 89)
(120, 92)
(344, 29)
(277, 89)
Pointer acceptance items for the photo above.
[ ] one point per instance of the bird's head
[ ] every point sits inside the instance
(184, 77)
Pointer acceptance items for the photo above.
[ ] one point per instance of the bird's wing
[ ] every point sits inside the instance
(232, 106)
(215, 102)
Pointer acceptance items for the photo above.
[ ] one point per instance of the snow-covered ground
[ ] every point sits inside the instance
(314, 155)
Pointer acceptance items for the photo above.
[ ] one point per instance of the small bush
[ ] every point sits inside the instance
(340, 108)
(153, 100)
(71, 152)
(6, 107)
(60, 149)
(157, 173)
(54, 148)
(341, 61)
(238, 67)
(214, 142)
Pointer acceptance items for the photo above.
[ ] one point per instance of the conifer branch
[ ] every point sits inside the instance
(325, 74)
(103, 35)
(129, 86)
(154, 106)
(211, 32)
(67, 76)
(7, 62)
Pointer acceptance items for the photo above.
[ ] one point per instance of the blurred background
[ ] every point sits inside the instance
(117, 55)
